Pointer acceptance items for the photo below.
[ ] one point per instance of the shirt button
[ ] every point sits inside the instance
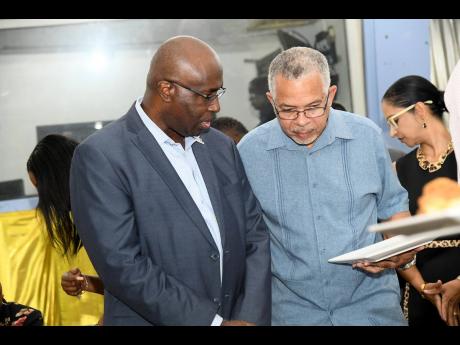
(215, 300)
(318, 217)
(227, 251)
(314, 185)
(227, 295)
(215, 256)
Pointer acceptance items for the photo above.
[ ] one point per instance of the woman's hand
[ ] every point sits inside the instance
(73, 282)
(450, 295)
(432, 292)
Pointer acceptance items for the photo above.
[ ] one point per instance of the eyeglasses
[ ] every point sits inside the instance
(294, 114)
(208, 98)
(391, 120)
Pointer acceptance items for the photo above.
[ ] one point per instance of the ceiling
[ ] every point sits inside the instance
(228, 34)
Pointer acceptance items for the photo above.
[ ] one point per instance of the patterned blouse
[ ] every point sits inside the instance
(14, 314)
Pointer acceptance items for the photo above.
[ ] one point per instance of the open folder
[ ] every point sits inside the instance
(409, 233)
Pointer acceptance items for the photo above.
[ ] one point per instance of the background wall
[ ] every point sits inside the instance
(354, 30)
(393, 48)
(94, 70)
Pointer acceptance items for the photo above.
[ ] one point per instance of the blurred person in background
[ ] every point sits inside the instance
(49, 168)
(257, 89)
(15, 314)
(451, 297)
(230, 127)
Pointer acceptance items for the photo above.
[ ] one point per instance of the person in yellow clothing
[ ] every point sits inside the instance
(48, 167)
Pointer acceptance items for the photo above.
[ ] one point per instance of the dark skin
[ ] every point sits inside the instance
(73, 283)
(175, 110)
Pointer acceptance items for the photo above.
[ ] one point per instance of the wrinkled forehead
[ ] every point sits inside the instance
(300, 91)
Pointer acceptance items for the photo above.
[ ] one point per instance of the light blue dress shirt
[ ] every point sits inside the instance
(184, 162)
(318, 203)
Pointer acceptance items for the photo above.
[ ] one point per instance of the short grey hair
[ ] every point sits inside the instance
(297, 62)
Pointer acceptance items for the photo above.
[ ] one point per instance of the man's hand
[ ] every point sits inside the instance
(72, 282)
(391, 262)
(236, 323)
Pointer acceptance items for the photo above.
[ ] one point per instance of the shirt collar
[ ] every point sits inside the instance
(339, 128)
(156, 131)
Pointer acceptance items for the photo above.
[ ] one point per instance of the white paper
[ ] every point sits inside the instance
(420, 223)
(411, 232)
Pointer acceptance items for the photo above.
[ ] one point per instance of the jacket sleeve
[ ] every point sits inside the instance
(254, 304)
(104, 215)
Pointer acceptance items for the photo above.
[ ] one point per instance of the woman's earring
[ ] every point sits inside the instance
(424, 125)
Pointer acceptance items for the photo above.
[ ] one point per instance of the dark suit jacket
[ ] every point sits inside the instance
(148, 240)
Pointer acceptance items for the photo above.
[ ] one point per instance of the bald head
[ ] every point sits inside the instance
(183, 58)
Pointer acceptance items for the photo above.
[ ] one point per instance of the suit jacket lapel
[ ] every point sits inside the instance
(158, 160)
(210, 179)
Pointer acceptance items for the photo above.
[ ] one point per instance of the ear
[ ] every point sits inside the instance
(332, 92)
(269, 96)
(421, 112)
(165, 90)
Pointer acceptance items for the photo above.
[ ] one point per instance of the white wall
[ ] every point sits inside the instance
(58, 88)
(25, 23)
(356, 64)
(47, 89)
(55, 89)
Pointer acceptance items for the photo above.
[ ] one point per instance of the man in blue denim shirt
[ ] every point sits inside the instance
(322, 176)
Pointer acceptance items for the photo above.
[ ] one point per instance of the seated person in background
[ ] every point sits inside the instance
(14, 314)
(413, 108)
(230, 127)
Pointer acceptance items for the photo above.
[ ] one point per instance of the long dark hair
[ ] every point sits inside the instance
(49, 162)
(412, 89)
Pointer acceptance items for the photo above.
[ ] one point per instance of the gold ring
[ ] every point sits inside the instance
(422, 287)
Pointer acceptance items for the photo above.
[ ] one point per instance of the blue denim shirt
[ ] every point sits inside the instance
(318, 203)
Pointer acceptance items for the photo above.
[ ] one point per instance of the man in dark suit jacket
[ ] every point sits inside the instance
(164, 208)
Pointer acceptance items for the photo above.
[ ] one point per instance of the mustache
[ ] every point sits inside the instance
(302, 130)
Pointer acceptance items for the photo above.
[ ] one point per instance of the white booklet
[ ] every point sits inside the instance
(410, 233)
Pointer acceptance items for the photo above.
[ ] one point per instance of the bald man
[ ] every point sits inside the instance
(164, 208)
